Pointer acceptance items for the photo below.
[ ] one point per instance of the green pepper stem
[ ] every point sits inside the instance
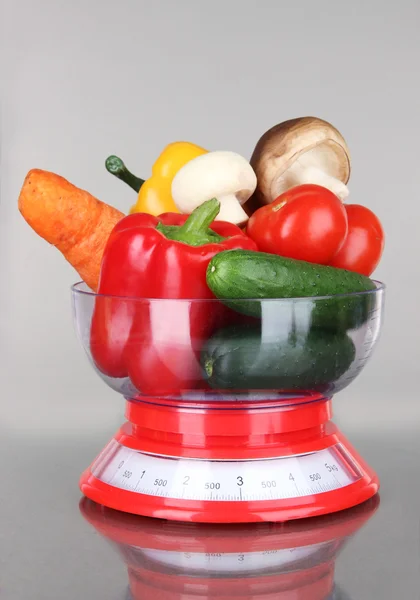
(201, 218)
(115, 166)
(195, 231)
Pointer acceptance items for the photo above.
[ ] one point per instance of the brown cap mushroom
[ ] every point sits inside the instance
(304, 150)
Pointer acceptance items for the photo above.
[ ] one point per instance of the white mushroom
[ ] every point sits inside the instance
(305, 150)
(224, 175)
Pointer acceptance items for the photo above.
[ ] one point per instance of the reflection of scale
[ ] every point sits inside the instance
(174, 561)
(216, 458)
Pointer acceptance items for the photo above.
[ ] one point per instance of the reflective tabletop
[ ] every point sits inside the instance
(57, 544)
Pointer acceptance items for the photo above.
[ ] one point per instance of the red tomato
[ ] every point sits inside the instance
(308, 222)
(362, 250)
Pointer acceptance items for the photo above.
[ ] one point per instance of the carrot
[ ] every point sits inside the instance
(70, 219)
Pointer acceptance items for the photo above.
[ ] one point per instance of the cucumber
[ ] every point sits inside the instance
(241, 358)
(236, 276)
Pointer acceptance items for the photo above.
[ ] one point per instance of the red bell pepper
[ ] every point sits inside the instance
(148, 261)
(223, 228)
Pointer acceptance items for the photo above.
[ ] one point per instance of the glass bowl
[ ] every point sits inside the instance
(202, 350)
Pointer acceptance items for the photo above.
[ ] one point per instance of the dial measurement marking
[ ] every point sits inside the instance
(244, 481)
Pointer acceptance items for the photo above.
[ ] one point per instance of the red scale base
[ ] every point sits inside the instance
(232, 431)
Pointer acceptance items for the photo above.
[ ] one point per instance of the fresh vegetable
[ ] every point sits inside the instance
(153, 340)
(245, 358)
(70, 219)
(363, 247)
(236, 276)
(245, 274)
(116, 167)
(226, 176)
(308, 222)
(154, 194)
(169, 219)
(298, 151)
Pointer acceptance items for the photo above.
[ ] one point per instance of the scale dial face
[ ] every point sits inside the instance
(226, 480)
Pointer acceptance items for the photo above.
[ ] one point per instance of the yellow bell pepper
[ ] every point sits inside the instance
(154, 194)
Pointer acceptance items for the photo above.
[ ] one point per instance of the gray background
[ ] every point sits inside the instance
(84, 79)
(87, 79)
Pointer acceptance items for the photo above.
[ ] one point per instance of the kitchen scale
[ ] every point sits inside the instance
(265, 561)
(232, 456)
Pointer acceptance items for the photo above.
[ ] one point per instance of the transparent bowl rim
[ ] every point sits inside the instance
(77, 289)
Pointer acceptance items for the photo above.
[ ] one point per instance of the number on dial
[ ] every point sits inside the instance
(268, 484)
(212, 486)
